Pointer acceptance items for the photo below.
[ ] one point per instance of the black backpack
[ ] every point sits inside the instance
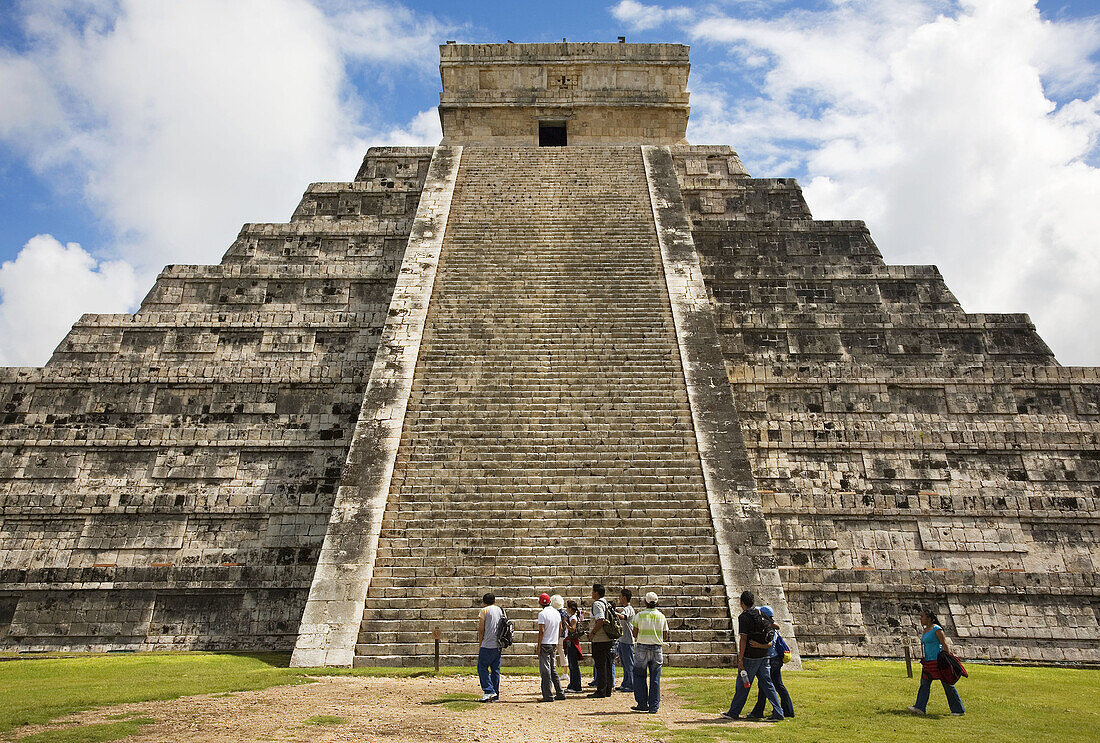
(504, 631)
(762, 631)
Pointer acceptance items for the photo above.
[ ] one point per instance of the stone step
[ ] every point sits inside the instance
(552, 514)
(520, 553)
(549, 378)
(427, 647)
(460, 534)
(689, 629)
(699, 616)
(366, 658)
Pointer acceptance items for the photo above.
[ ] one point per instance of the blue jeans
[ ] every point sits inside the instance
(759, 669)
(488, 669)
(954, 701)
(574, 657)
(775, 663)
(648, 658)
(626, 657)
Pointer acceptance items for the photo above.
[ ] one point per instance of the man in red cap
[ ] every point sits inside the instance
(547, 650)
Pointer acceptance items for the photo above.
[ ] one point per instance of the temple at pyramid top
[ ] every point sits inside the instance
(563, 93)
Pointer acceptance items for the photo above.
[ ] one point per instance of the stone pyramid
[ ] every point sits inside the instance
(491, 365)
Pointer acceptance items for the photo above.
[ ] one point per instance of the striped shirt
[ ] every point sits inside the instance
(651, 626)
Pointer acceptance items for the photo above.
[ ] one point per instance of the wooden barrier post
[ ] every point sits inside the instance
(436, 634)
(908, 663)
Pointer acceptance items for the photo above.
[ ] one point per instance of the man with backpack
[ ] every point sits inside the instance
(489, 624)
(778, 654)
(603, 633)
(755, 638)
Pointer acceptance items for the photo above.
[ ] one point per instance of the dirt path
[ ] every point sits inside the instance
(395, 711)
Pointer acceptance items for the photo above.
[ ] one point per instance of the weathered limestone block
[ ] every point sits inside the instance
(917, 438)
(197, 445)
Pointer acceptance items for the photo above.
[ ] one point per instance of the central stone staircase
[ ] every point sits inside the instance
(548, 441)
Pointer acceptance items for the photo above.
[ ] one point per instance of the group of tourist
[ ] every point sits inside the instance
(614, 629)
(638, 640)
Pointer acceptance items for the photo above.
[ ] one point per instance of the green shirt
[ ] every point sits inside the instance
(652, 626)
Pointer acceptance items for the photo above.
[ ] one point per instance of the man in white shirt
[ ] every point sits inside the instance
(488, 653)
(547, 649)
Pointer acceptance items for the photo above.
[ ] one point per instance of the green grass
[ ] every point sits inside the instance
(457, 702)
(845, 701)
(836, 701)
(37, 689)
(96, 733)
(324, 720)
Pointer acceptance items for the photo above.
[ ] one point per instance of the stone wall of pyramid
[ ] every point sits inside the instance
(166, 479)
(907, 453)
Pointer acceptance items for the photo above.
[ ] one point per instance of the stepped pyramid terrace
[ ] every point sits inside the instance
(563, 346)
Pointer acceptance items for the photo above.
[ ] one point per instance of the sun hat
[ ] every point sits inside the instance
(557, 601)
(767, 611)
(544, 599)
(651, 598)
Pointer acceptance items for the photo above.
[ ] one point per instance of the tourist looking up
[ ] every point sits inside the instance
(934, 642)
(649, 631)
(754, 637)
(488, 654)
(602, 613)
(624, 648)
(572, 631)
(775, 666)
(547, 648)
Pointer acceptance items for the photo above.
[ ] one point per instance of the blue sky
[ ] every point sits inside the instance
(138, 134)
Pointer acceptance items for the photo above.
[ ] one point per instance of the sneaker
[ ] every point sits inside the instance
(591, 683)
(773, 718)
(559, 697)
(957, 714)
(652, 711)
(547, 699)
(916, 710)
(487, 698)
(574, 691)
(496, 698)
(728, 716)
(754, 718)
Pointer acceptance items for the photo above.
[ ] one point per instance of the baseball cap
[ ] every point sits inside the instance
(767, 611)
(651, 598)
(544, 599)
(557, 601)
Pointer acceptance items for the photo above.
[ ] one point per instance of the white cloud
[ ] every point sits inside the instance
(640, 17)
(388, 33)
(424, 129)
(47, 288)
(937, 122)
(180, 121)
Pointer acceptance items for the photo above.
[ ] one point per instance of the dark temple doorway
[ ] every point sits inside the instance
(551, 134)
